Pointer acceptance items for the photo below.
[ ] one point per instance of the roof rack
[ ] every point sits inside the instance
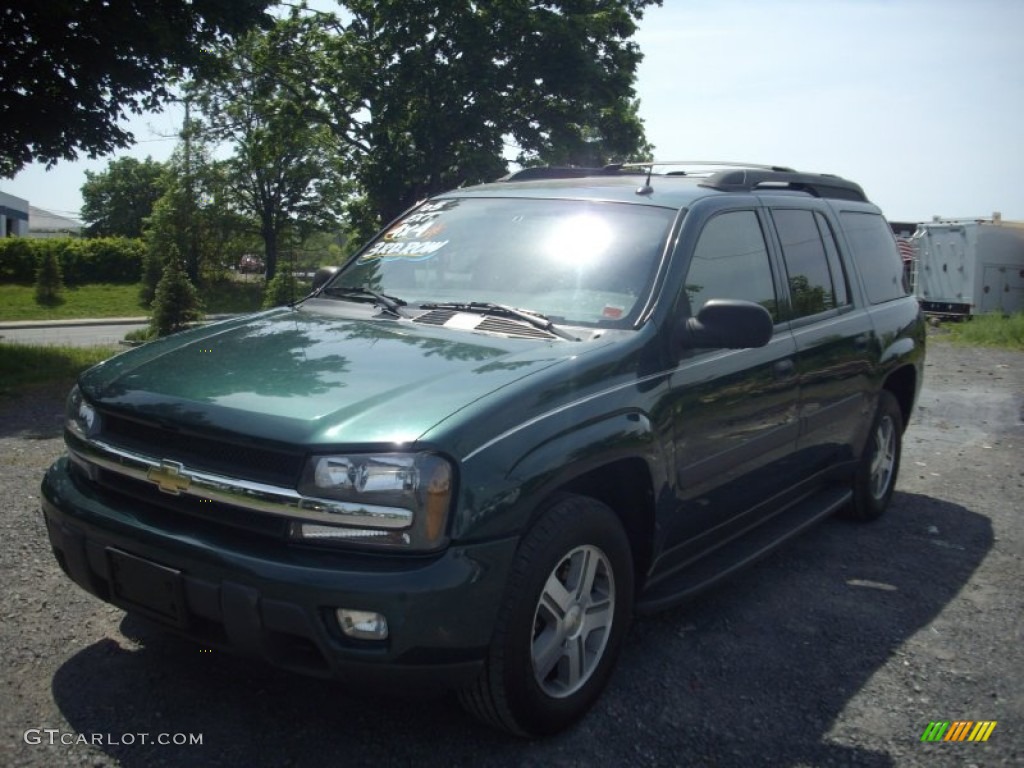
(817, 184)
(724, 176)
(559, 172)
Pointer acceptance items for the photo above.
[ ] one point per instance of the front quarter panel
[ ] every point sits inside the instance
(505, 481)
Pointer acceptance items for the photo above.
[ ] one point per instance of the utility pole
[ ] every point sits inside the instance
(192, 266)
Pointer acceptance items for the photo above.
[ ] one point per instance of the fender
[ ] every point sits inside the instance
(551, 462)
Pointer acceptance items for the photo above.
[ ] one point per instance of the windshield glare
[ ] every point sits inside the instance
(576, 262)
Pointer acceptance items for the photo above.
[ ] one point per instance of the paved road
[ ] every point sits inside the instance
(73, 335)
(76, 333)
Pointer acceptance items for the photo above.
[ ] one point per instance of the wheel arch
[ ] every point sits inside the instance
(903, 385)
(626, 486)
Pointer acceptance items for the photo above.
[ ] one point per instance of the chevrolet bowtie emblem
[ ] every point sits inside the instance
(169, 478)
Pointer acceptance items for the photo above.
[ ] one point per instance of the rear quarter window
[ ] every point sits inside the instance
(875, 253)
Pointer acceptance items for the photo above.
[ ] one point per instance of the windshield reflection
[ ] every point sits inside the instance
(575, 262)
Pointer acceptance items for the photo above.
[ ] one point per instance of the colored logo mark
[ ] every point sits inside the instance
(958, 730)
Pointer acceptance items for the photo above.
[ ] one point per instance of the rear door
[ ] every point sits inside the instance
(833, 337)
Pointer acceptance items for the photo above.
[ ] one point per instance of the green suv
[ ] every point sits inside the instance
(522, 414)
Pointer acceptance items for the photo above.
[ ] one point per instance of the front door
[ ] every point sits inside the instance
(734, 411)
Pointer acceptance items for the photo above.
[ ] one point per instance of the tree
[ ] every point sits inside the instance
(116, 201)
(284, 172)
(71, 70)
(176, 303)
(191, 220)
(423, 96)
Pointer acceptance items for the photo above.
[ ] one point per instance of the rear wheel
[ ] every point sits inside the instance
(566, 609)
(876, 475)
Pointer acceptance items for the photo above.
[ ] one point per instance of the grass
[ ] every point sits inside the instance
(17, 302)
(993, 330)
(24, 367)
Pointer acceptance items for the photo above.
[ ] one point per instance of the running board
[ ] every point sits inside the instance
(741, 551)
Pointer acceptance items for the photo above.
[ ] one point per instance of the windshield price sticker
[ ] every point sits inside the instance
(411, 237)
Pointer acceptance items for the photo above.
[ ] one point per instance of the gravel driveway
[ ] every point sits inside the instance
(837, 650)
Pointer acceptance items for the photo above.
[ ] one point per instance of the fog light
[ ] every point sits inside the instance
(362, 625)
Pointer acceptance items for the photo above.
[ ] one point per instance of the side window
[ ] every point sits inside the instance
(730, 261)
(874, 250)
(810, 279)
(835, 264)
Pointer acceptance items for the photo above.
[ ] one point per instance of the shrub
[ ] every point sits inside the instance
(281, 290)
(18, 261)
(97, 260)
(48, 279)
(176, 301)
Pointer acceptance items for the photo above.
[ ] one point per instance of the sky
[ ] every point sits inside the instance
(921, 102)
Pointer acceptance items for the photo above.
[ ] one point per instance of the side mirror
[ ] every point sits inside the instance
(322, 275)
(726, 323)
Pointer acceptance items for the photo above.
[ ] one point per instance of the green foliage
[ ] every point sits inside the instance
(18, 260)
(284, 174)
(991, 330)
(117, 200)
(48, 279)
(232, 296)
(76, 68)
(192, 219)
(152, 271)
(421, 97)
(176, 302)
(281, 290)
(25, 367)
(81, 261)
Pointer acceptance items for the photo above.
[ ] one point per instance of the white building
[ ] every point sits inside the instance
(13, 215)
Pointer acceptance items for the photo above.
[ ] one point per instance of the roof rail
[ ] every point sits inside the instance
(817, 184)
(558, 172)
(722, 175)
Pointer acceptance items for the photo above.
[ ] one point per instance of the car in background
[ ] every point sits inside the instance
(250, 264)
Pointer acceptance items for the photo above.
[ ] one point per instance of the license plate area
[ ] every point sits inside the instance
(146, 587)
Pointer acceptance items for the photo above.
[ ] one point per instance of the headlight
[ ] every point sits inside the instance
(396, 499)
(80, 417)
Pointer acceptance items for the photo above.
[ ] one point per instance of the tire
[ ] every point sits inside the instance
(566, 609)
(875, 480)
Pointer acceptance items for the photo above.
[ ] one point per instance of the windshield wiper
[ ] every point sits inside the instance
(535, 319)
(392, 304)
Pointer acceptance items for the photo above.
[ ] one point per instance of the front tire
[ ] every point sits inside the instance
(875, 480)
(566, 609)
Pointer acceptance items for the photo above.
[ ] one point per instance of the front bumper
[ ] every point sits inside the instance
(235, 591)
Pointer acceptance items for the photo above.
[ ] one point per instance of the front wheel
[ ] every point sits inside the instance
(875, 480)
(566, 608)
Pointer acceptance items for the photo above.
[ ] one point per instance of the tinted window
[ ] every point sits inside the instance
(810, 280)
(878, 260)
(835, 264)
(730, 261)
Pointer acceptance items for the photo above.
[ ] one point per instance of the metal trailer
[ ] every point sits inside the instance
(969, 267)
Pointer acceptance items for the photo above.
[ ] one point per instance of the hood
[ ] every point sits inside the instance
(303, 377)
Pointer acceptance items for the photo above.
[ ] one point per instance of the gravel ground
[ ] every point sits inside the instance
(837, 650)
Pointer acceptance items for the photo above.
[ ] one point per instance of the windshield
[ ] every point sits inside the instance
(575, 262)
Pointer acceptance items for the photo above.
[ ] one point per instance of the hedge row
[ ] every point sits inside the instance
(82, 260)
